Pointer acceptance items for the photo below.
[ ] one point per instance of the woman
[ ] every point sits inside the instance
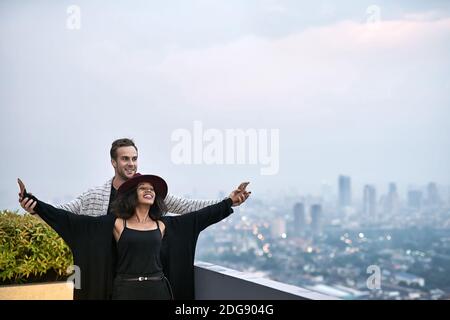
(137, 253)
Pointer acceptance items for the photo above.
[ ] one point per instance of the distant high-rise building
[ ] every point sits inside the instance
(370, 201)
(415, 199)
(299, 218)
(278, 228)
(345, 192)
(448, 197)
(316, 218)
(326, 191)
(392, 188)
(433, 198)
(392, 201)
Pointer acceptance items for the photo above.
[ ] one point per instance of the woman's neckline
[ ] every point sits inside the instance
(126, 227)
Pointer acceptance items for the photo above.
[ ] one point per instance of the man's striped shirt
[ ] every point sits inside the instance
(95, 202)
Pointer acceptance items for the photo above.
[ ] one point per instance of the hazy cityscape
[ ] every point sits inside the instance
(355, 93)
(333, 243)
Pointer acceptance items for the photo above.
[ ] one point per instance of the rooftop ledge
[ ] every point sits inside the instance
(213, 282)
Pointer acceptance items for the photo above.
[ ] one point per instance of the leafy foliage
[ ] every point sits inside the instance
(30, 250)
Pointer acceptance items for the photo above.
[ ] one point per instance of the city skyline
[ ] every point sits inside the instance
(336, 113)
(353, 89)
(357, 193)
(332, 250)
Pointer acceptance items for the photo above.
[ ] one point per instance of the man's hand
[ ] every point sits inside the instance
(239, 195)
(27, 204)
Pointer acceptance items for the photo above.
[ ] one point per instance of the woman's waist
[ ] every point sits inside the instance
(139, 267)
(155, 276)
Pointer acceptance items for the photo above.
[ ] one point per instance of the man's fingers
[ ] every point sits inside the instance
(34, 205)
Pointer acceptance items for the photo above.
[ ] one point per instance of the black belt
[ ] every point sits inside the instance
(142, 278)
(148, 278)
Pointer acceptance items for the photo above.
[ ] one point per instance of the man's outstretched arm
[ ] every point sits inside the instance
(93, 202)
(180, 205)
(73, 206)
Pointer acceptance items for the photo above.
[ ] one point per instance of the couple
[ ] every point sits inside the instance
(134, 252)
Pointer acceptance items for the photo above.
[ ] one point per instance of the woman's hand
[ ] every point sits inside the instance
(27, 204)
(239, 195)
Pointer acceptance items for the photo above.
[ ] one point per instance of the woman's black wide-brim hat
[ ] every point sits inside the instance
(158, 183)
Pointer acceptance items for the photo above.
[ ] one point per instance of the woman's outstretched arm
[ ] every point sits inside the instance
(203, 218)
(65, 223)
(215, 213)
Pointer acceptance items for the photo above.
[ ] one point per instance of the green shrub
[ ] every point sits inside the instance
(30, 251)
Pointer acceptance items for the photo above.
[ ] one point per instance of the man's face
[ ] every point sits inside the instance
(125, 165)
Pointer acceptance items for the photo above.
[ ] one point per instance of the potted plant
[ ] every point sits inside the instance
(33, 259)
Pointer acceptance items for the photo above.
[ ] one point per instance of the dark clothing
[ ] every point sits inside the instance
(138, 252)
(112, 197)
(94, 249)
(139, 273)
(155, 289)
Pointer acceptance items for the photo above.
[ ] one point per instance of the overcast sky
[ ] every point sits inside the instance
(352, 88)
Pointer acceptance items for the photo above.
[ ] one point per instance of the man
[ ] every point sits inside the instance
(124, 159)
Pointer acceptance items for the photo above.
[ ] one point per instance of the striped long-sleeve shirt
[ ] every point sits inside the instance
(95, 202)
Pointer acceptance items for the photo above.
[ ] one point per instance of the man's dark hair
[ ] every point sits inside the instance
(125, 204)
(124, 142)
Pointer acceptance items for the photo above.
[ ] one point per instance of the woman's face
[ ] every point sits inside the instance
(145, 193)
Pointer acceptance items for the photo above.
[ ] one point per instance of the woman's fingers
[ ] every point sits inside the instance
(240, 196)
(28, 204)
(21, 186)
(23, 202)
(245, 195)
(236, 194)
(243, 185)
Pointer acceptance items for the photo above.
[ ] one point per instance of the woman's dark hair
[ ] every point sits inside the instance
(125, 204)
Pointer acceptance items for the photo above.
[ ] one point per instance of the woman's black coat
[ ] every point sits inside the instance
(94, 247)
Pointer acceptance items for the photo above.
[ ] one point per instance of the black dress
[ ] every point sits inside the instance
(139, 274)
(95, 252)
